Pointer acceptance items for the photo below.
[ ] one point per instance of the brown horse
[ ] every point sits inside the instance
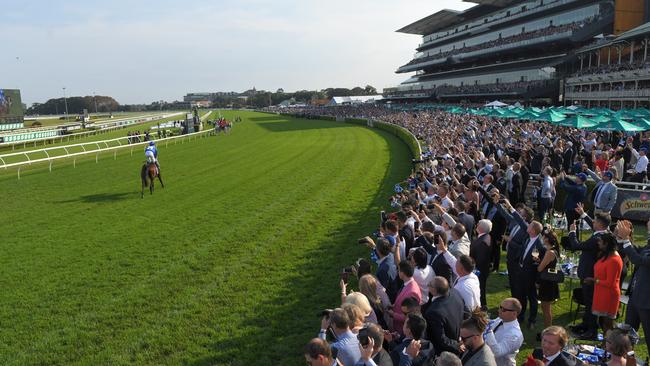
(148, 173)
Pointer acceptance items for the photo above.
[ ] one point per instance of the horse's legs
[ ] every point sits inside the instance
(151, 181)
(160, 179)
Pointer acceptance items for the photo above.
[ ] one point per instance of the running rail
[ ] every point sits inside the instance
(98, 148)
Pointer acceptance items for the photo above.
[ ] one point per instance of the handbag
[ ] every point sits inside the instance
(552, 275)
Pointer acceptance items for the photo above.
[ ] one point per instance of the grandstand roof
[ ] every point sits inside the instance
(643, 29)
(447, 17)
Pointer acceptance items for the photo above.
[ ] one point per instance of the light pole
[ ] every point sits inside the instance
(95, 98)
(65, 100)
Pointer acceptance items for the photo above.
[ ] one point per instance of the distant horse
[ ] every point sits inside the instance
(148, 173)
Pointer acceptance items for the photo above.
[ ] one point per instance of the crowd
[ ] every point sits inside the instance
(524, 36)
(614, 67)
(519, 86)
(421, 292)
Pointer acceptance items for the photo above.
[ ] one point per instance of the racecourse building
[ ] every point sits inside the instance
(507, 49)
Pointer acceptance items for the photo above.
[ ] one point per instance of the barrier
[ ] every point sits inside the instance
(73, 136)
(98, 144)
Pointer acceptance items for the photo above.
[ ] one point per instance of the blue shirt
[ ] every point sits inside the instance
(152, 149)
(347, 345)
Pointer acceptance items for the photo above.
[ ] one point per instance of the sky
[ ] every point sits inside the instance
(140, 51)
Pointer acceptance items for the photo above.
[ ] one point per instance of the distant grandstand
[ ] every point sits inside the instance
(11, 109)
(518, 50)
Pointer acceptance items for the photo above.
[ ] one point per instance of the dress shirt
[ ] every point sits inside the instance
(505, 341)
(469, 289)
(347, 345)
(641, 164)
(547, 187)
(529, 246)
(599, 194)
(423, 277)
(550, 358)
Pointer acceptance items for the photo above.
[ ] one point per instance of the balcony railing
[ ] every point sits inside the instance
(609, 94)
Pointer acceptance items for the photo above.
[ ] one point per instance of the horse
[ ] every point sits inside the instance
(148, 173)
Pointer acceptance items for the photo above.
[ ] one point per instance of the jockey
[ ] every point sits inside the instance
(151, 153)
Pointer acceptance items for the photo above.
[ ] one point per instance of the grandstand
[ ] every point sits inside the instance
(513, 50)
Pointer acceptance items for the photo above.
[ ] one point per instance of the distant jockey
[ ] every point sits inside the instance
(151, 153)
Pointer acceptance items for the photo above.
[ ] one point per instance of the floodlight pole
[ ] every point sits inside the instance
(65, 100)
(95, 98)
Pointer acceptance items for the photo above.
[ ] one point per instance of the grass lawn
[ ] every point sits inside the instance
(228, 265)
(71, 118)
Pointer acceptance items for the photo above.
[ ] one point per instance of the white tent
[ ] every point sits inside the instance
(496, 104)
(355, 100)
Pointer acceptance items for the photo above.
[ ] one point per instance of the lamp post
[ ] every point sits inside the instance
(95, 98)
(65, 100)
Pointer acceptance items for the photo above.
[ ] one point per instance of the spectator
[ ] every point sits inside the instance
(377, 297)
(548, 291)
(361, 301)
(444, 315)
(356, 315)
(503, 335)
(576, 193)
(467, 283)
(410, 289)
(372, 354)
(554, 339)
(448, 359)
(318, 353)
(414, 328)
(423, 273)
(526, 290)
(618, 344)
(481, 252)
(346, 345)
(475, 352)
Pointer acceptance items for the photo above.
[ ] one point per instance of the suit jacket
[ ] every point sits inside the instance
(606, 198)
(382, 358)
(467, 221)
(443, 317)
(441, 267)
(588, 253)
(410, 289)
(384, 277)
(482, 357)
(481, 251)
(563, 359)
(520, 238)
(398, 358)
(640, 283)
(517, 193)
(567, 157)
(575, 193)
(527, 266)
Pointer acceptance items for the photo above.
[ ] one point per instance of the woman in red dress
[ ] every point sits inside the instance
(607, 274)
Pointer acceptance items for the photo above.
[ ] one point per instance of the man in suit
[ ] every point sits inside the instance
(567, 157)
(481, 251)
(638, 308)
(414, 328)
(476, 352)
(410, 289)
(386, 271)
(444, 316)
(373, 354)
(605, 192)
(526, 291)
(576, 193)
(439, 262)
(518, 221)
(588, 257)
(517, 192)
(468, 221)
(489, 211)
(554, 339)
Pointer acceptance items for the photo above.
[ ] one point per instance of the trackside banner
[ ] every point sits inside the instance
(632, 205)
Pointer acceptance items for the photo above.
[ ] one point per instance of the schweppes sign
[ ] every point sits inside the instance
(632, 205)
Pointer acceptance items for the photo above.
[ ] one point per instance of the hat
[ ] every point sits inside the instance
(608, 174)
(569, 143)
(644, 149)
(488, 168)
(582, 176)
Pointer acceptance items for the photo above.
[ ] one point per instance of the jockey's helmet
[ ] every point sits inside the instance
(152, 143)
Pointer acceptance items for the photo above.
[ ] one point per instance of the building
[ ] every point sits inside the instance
(363, 99)
(513, 50)
(11, 110)
(207, 97)
(613, 73)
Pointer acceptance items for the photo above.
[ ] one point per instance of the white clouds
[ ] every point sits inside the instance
(160, 50)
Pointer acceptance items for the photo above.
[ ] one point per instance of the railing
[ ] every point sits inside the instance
(607, 94)
(613, 76)
(74, 136)
(97, 147)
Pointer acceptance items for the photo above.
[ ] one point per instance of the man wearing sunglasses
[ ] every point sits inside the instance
(475, 351)
(503, 334)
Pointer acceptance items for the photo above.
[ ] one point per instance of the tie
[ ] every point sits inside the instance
(528, 247)
(599, 195)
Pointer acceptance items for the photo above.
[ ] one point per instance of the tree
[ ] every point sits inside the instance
(370, 90)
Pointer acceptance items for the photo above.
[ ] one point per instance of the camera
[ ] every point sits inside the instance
(363, 337)
(362, 241)
(345, 274)
(325, 313)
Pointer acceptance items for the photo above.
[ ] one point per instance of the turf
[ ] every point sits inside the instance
(227, 265)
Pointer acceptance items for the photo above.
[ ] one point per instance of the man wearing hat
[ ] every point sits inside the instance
(576, 192)
(605, 192)
(641, 167)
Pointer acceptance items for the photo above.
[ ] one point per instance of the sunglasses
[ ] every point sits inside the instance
(505, 309)
(468, 337)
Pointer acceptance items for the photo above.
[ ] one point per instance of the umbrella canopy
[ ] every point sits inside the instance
(577, 122)
(616, 125)
(529, 115)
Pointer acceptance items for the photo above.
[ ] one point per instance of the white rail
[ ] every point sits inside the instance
(96, 151)
(73, 136)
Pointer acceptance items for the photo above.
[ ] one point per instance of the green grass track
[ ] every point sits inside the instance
(227, 265)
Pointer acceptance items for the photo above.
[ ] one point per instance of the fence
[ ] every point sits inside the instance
(98, 147)
(80, 135)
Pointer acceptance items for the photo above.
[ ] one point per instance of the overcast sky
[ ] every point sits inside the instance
(139, 51)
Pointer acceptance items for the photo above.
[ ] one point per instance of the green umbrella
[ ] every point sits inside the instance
(601, 118)
(616, 125)
(577, 122)
(529, 115)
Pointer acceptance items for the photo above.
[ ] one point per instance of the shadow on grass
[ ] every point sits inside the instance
(102, 197)
(269, 118)
(287, 320)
